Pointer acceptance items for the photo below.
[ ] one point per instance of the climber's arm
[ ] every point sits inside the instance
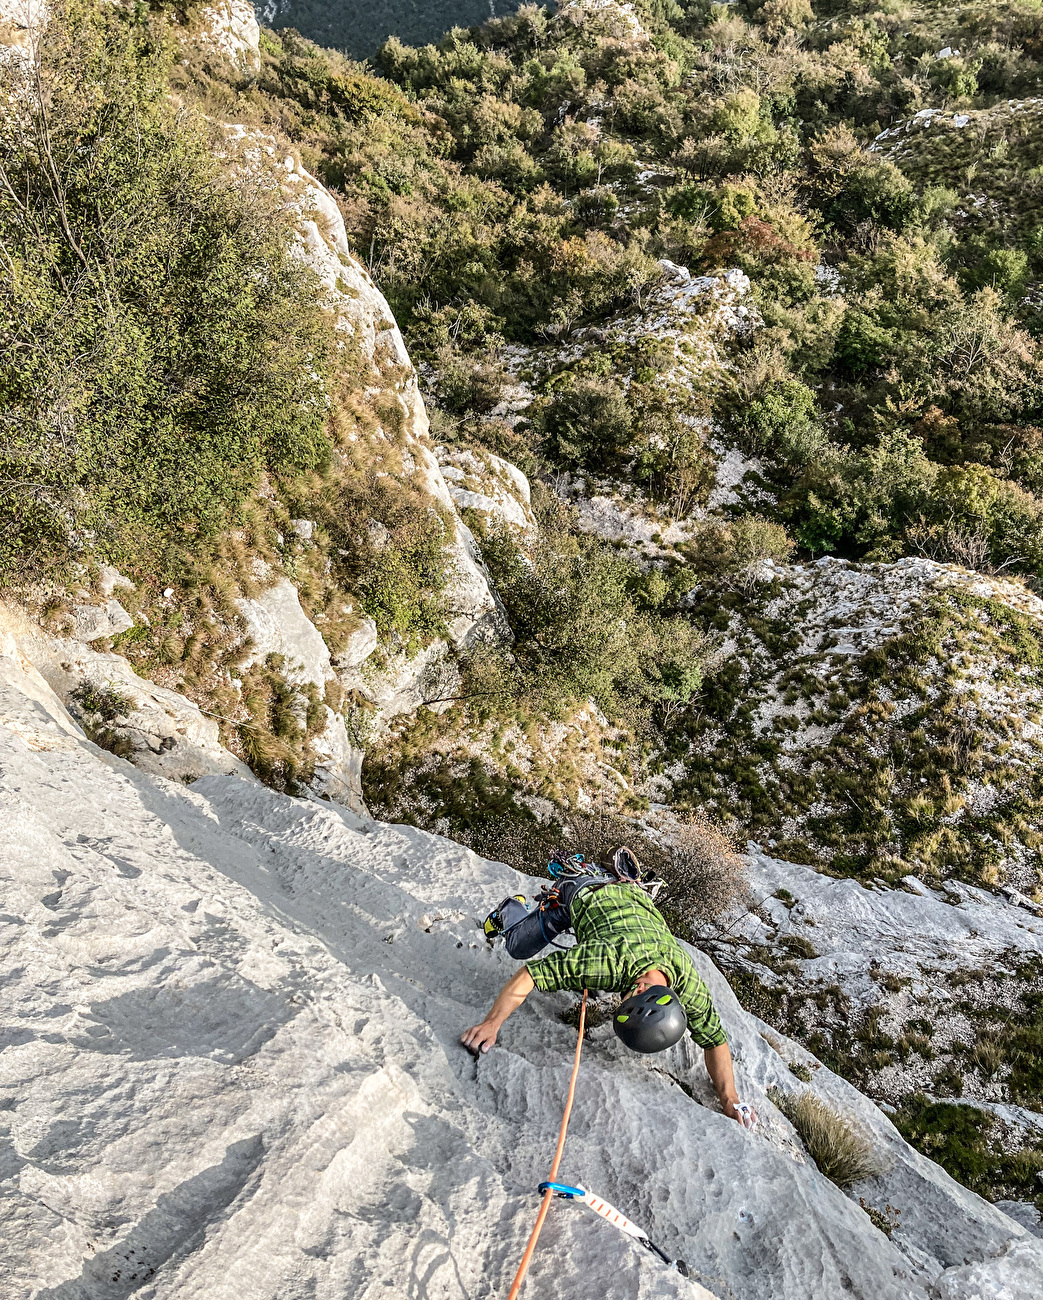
(479, 1038)
(719, 1067)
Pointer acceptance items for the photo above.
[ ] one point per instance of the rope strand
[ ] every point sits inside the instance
(523, 1267)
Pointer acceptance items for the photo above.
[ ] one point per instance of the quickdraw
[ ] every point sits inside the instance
(551, 1189)
(609, 1212)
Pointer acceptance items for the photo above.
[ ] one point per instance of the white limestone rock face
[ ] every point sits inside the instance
(917, 934)
(111, 580)
(1024, 1213)
(363, 312)
(360, 645)
(363, 315)
(230, 28)
(232, 1059)
(401, 683)
(1014, 1273)
(94, 622)
(338, 772)
(169, 735)
(276, 624)
(480, 480)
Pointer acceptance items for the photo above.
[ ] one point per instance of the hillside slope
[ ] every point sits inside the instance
(232, 1068)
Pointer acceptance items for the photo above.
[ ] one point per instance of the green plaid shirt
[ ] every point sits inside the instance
(619, 936)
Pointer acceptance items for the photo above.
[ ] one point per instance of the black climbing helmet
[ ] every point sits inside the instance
(651, 1021)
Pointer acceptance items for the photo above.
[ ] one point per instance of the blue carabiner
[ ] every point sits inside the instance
(563, 1189)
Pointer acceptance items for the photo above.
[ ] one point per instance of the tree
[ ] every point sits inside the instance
(159, 344)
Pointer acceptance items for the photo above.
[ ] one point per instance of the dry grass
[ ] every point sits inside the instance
(838, 1147)
(706, 873)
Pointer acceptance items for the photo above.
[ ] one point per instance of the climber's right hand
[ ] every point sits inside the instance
(479, 1038)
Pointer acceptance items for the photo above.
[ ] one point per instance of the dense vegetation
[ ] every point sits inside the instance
(515, 187)
(895, 387)
(159, 348)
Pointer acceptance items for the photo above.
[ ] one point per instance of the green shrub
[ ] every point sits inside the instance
(577, 632)
(967, 1143)
(588, 423)
(159, 345)
(105, 702)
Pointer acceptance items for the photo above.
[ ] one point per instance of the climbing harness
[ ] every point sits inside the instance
(551, 1189)
(564, 1192)
(623, 870)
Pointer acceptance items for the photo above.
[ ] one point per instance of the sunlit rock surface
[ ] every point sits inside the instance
(232, 1069)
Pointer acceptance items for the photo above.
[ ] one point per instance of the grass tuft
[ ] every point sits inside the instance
(838, 1147)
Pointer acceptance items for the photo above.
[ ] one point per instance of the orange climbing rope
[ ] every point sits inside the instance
(523, 1267)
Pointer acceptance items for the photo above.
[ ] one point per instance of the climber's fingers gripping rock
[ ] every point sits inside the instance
(479, 1038)
(743, 1113)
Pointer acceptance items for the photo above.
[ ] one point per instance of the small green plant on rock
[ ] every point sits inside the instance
(99, 707)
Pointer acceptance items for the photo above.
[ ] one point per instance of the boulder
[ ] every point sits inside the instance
(277, 624)
(360, 645)
(19, 20)
(230, 28)
(93, 622)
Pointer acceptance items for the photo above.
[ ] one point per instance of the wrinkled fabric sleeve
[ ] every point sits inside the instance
(704, 1024)
(588, 965)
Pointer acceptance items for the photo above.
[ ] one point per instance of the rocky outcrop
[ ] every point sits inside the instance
(403, 680)
(363, 313)
(885, 713)
(230, 29)
(162, 732)
(479, 480)
(256, 1001)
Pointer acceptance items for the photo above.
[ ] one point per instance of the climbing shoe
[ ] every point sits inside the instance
(494, 921)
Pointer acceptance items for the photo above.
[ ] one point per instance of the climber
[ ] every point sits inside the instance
(623, 945)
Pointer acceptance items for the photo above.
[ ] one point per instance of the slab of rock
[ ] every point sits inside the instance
(1015, 1274)
(1025, 1213)
(93, 622)
(258, 1001)
(277, 624)
(360, 645)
